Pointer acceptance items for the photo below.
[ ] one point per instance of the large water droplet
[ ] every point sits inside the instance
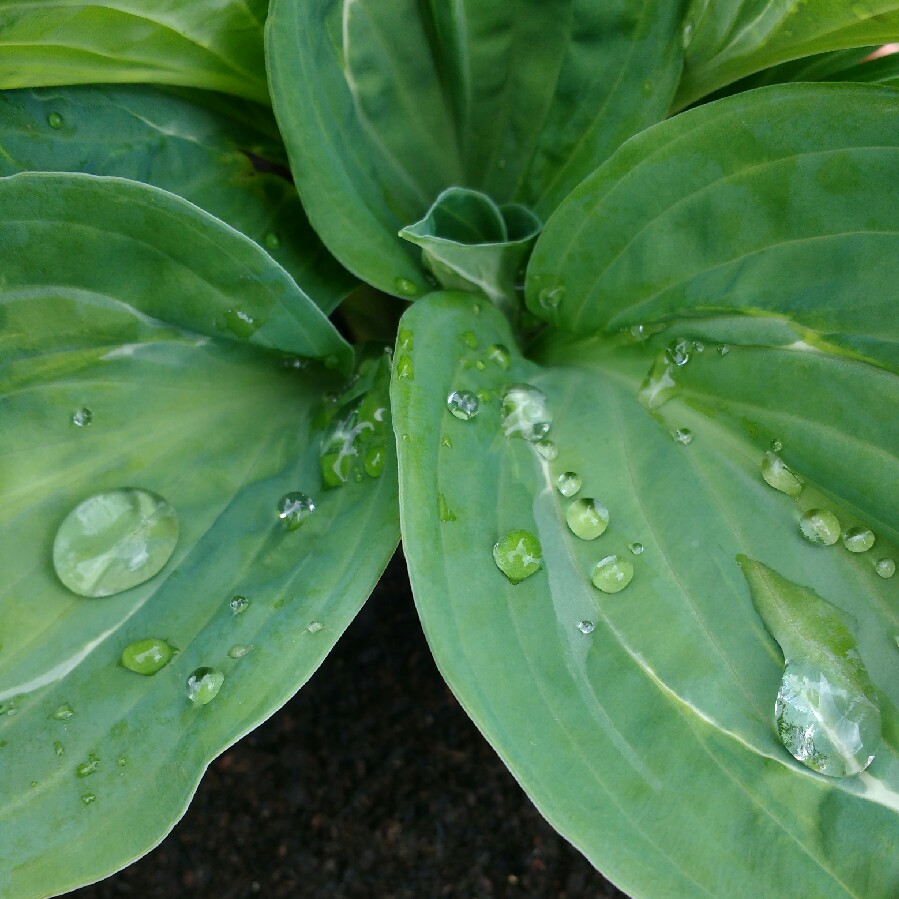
(886, 568)
(374, 460)
(239, 604)
(723, 349)
(405, 287)
(82, 417)
(858, 539)
(241, 323)
(568, 483)
(525, 413)
(463, 404)
(294, 508)
(87, 768)
(612, 574)
(547, 449)
(659, 385)
(499, 355)
(551, 297)
(586, 627)
(518, 555)
(114, 541)
(776, 445)
(203, 685)
(683, 436)
(825, 722)
(679, 351)
(55, 120)
(444, 513)
(587, 518)
(63, 712)
(820, 526)
(148, 656)
(778, 475)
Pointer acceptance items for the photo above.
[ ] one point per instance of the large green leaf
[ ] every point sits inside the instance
(770, 203)
(728, 39)
(194, 43)
(384, 105)
(642, 722)
(180, 145)
(97, 762)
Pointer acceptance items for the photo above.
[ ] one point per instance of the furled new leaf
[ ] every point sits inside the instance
(385, 105)
(113, 700)
(211, 45)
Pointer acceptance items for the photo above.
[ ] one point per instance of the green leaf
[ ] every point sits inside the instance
(178, 144)
(470, 243)
(641, 722)
(97, 393)
(184, 266)
(728, 39)
(385, 105)
(216, 46)
(739, 207)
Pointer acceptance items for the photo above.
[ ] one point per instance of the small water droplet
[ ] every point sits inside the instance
(203, 685)
(63, 712)
(777, 474)
(687, 35)
(499, 355)
(239, 604)
(55, 120)
(679, 351)
(587, 518)
(525, 413)
(406, 438)
(374, 460)
(518, 555)
(148, 656)
(85, 769)
(405, 339)
(480, 365)
(444, 513)
(272, 241)
(612, 574)
(122, 761)
(820, 526)
(886, 568)
(114, 541)
(470, 339)
(405, 287)
(723, 349)
(58, 749)
(683, 436)
(294, 508)
(858, 539)
(659, 385)
(551, 297)
(82, 417)
(776, 445)
(446, 441)
(463, 404)
(698, 346)
(88, 798)
(586, 627)
(239, 650)
(636, 548)
(314, 627)
(404, 368)
(568, 483)
(547, 449)
(241, 323)
(293, 363)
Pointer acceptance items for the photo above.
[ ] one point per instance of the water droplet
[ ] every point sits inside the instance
(58, 749)
(499, 355)
(551, 297)
(148, 656)
(87, 768)
(471, 341)
(820, 526)
(88, 798)
(858, 539)
(587, 518)
(776, 445)
(122, 761)
(293, 363)
(374, 461)
(659, 385)
(547, 449)
(885, 567)
(446, 441)
(239, 650)
(679, 351)
(698, 346)
(404, 368)
(687, 35)
(314, 627)
(405, 287)
(114, 541)
(480, 365)
(525, 413)
(778, 475)
(586, 627)
(406, 438)
(463, 404)
(203, 685)
(294, 508)
(444, 513)
(405, 339)
(63, 712)
(518, 555)
(239, 604)
(825, 722)
(241, 323)
(568, 483)
(55, 120)
(723, 349)
(272, 241)
(636, 548)
(612, 574)
(683, 436)
(82, 417)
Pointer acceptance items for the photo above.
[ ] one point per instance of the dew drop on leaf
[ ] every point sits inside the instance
(63, 712)
(405, 287)
(272, 241)
(723, 349)
(55, 120)
(820, 526)
(241, 323)
(568, 483)
(58, 749)
(858, 539)
(525, 413)
(88, 798)
(547, 449)
(679, 351)
(373, 462)
(636, 548)
(776, 445)
(82, 417)
(203, 685)
(444, 513)
(470, 340)
(551, 297)
(314, 627)
(659, 385)
(586, 627)
(148, 656)
(498, 355)
(239, 604)
(683, 436)
(518, 555)
(777, 474)
(85, 769)
(404, 339)
(612, 574)
(886, 568)
(239, 650)
(405, 369)
(587, 518)
(114, 541)
(294, 508)
(463, 404)
(446, 441)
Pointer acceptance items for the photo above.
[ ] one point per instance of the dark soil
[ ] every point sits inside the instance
(370, 783)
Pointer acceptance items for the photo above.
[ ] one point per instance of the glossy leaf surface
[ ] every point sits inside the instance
(103, 387)
(384, 105)
(180, 145)
(641, 722)
(727, 39)
(212, 45)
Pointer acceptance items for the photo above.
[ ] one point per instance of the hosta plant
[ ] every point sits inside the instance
(618, 358)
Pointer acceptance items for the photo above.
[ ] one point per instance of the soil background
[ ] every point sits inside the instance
(371, 783)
